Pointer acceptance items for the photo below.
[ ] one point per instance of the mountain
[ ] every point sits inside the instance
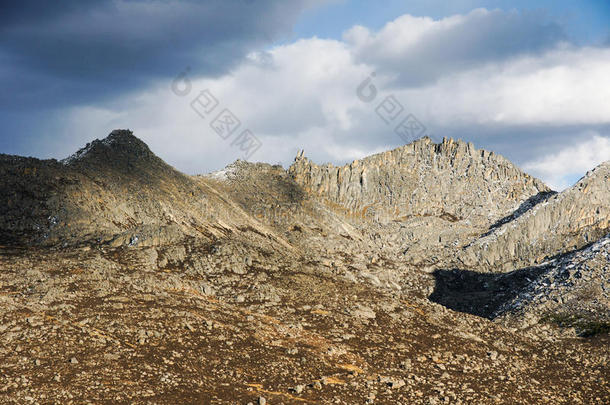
(570, 289)
(113, 190)
(431, 273)
(451, 180)
(431, 197)
(564, 222)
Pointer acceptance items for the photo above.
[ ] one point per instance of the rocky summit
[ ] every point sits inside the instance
(428, 274)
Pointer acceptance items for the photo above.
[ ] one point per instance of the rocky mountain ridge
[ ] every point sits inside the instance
(562, 223)
(113, 190)
(433, 273)
(451, 180)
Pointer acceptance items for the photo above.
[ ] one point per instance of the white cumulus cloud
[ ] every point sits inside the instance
(303, 94)
(561, 168)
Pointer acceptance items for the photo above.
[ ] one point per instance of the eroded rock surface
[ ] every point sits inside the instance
(562, 223)
(451, 180)
(428, 274)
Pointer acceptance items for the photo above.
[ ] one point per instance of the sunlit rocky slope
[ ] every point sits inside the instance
(432, 273)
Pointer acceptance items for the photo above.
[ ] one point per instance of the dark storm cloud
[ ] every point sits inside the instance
(70, 52)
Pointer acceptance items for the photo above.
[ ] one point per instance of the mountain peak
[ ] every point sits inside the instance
(121, 135)
(450, 179)
(119, 145)
(424, 146)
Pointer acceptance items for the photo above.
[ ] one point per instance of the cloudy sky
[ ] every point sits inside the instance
(207, 82)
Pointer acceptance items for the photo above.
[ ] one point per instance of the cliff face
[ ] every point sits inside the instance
(565, 222)
(451, 180)
(450, 196)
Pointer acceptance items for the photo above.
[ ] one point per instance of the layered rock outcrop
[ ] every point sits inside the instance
(451, 180)
(563, 223)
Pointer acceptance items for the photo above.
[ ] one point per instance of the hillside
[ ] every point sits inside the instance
(563, 223)
(112, 191)
(432, 273)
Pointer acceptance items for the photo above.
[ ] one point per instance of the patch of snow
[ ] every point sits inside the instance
(560, 276)
(109, 140)
(81, 153)
(222, 174)
(78, 155)
(133, 240)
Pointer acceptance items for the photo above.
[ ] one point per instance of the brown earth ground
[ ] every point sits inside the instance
(98, 325)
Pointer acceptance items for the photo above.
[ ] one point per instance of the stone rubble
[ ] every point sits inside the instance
(430, 274)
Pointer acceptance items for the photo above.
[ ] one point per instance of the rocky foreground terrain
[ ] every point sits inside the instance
(430, 274)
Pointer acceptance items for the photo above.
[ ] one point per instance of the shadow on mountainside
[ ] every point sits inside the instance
(523, 208)
(483, 294)
(480, 294)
